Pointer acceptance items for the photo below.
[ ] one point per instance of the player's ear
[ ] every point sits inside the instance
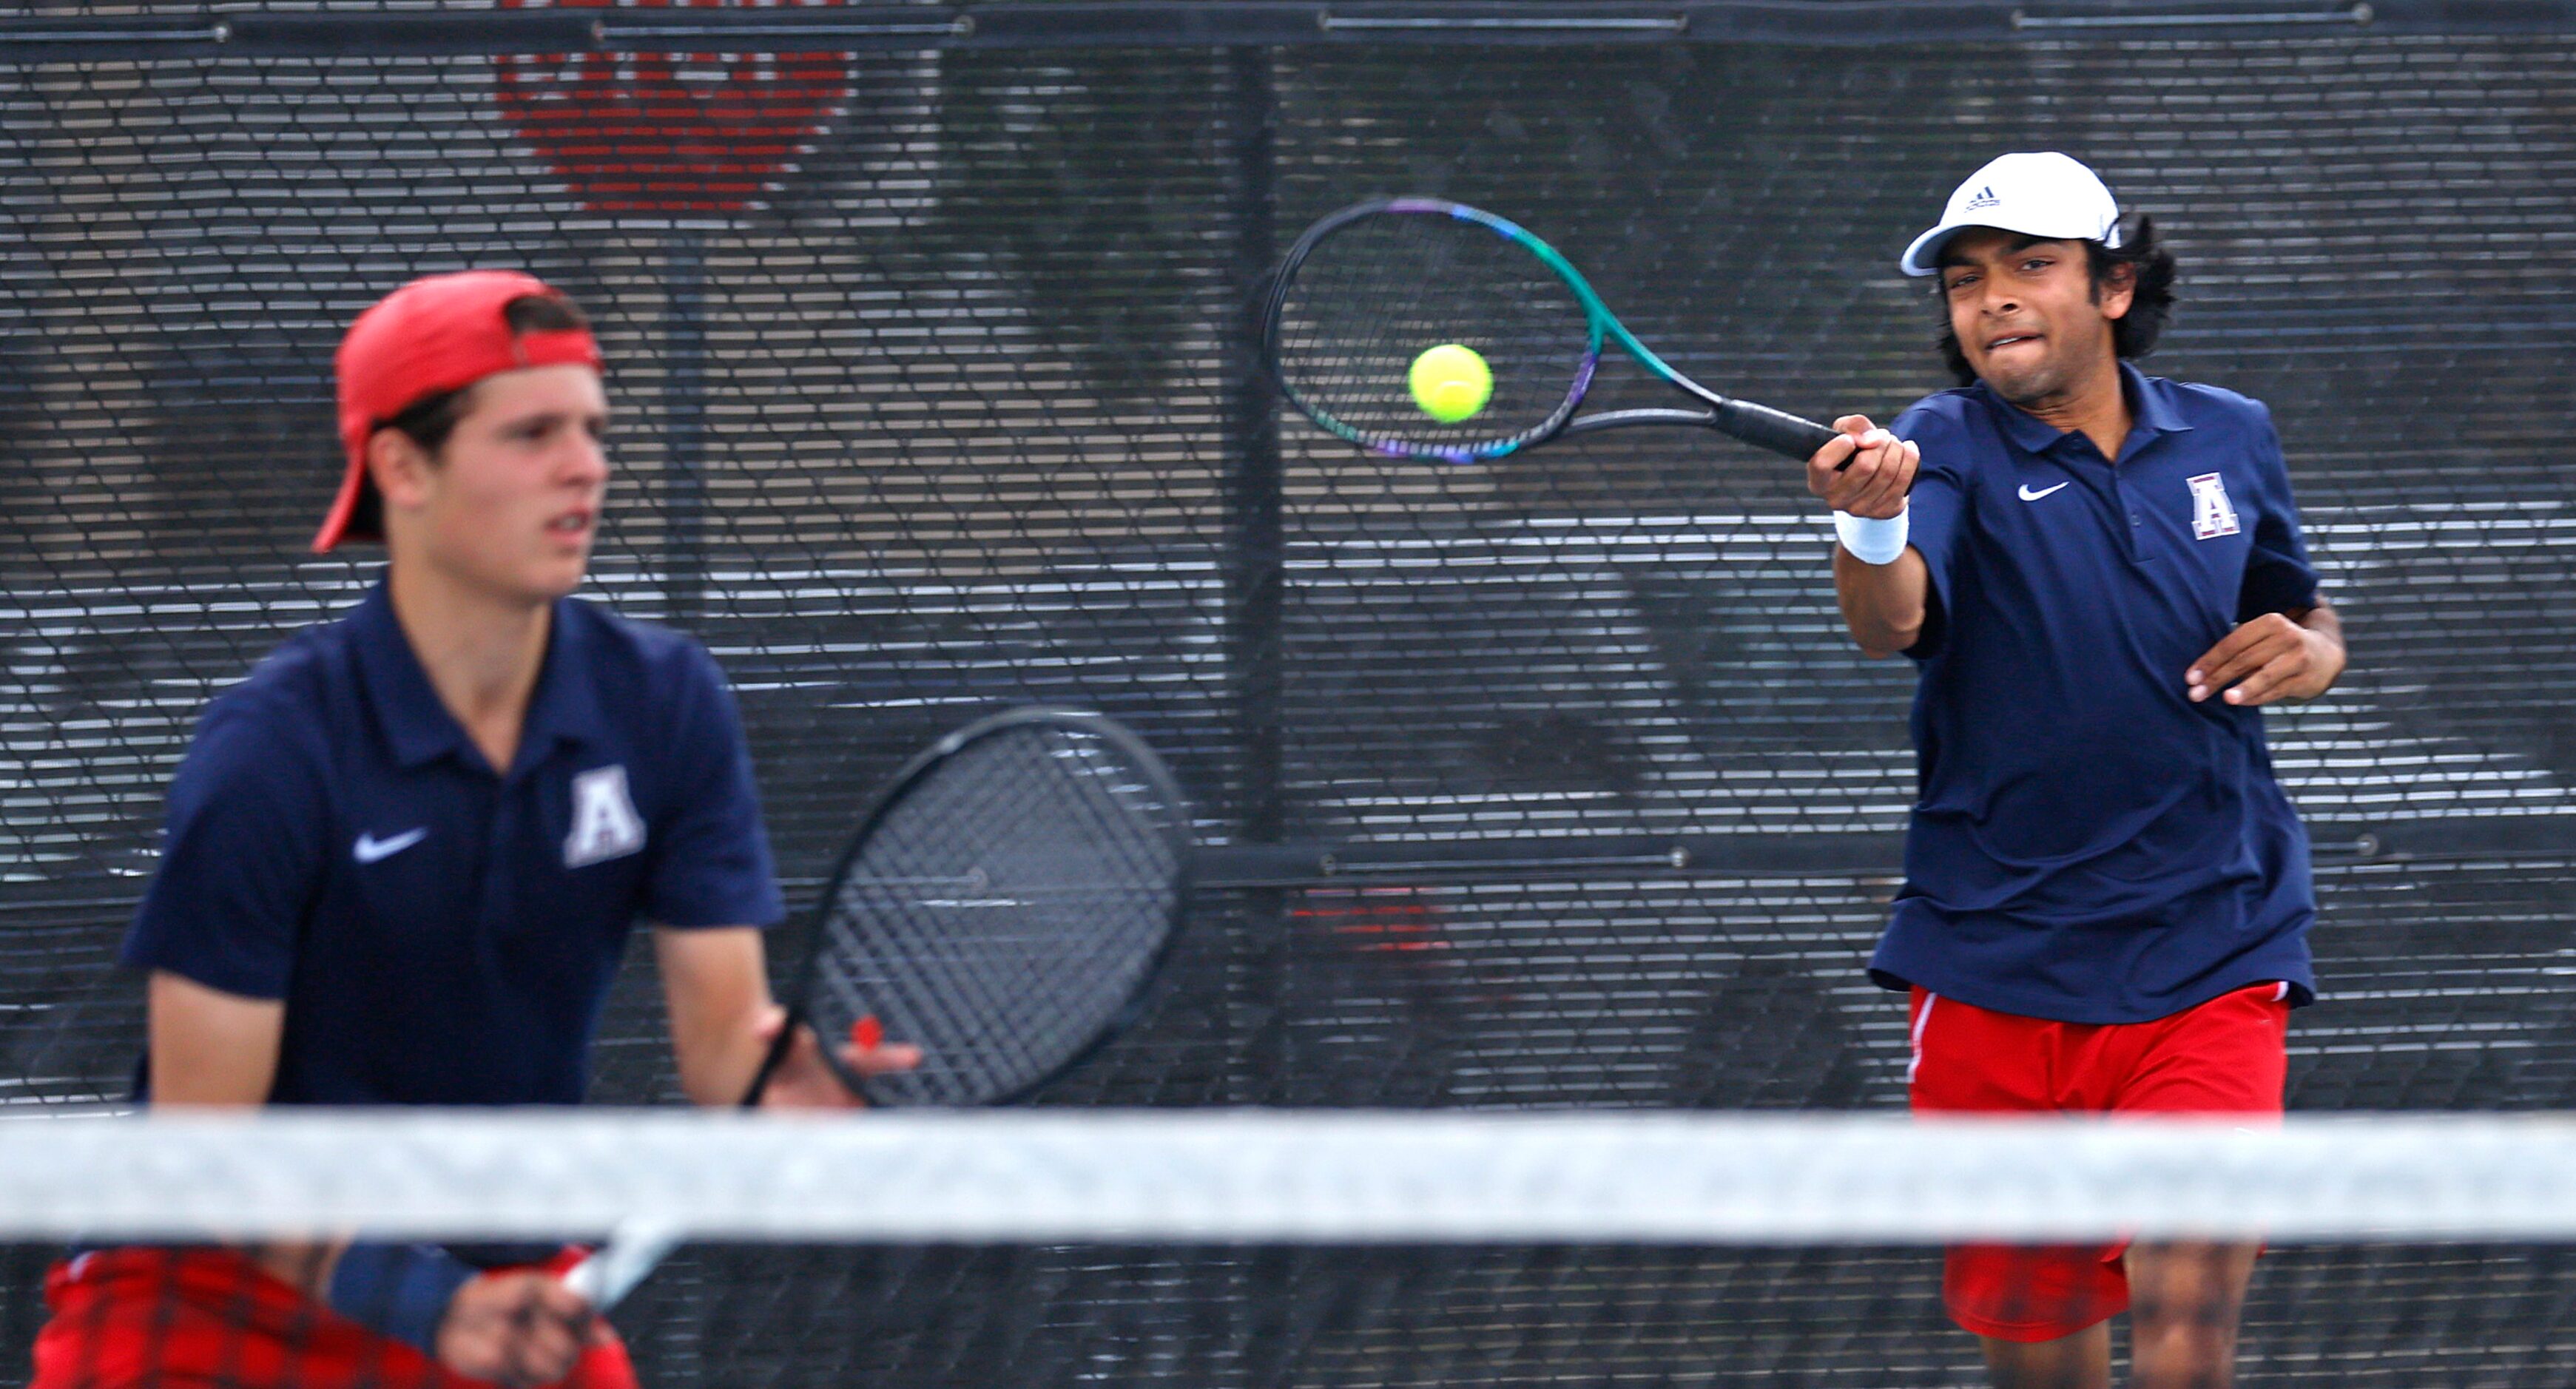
(400, 468)
(2116, 289)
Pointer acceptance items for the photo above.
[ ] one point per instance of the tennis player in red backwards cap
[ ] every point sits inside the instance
(403, 857)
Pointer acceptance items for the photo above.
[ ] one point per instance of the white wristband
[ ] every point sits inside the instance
(1872, 539)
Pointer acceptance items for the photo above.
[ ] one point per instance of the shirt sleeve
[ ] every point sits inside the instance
(713, 866)
(1936, 513)
(243, 856)
(2278, 576)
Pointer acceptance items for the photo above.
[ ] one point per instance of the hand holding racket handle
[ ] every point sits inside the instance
(1776, 430)
(1871, 481)
(815, 1082)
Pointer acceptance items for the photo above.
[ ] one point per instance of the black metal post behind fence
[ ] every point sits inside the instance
(684, 426)
(1255, 574)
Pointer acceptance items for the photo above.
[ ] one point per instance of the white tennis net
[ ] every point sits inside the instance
(1307, 1249)
(1287, 1177)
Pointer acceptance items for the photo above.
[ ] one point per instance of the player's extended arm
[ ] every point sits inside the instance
(2274, 658)
(1866, 472)
(716, 984)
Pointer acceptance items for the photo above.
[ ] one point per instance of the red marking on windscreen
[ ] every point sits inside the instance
(1375, 919)
(669, 132)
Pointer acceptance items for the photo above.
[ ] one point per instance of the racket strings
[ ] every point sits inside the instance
(1096, 908)
(1004, 911)
(886, 914)
(1373, 295)
(937, 962)
(892, 967)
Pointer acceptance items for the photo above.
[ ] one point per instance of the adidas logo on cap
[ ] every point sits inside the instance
(2045, 195)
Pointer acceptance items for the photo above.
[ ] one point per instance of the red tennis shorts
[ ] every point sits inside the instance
(2226, 1056)
(212, 1319)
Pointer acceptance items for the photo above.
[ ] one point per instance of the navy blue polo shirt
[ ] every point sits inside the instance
(443, 932)
(2088, 844)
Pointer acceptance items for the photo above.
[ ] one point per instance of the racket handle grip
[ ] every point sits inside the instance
(611, 1272)
(778, 1046)
(1776, 430)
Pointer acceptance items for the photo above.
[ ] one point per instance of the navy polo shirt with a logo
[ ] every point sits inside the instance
(2089, 845)
(442, 931)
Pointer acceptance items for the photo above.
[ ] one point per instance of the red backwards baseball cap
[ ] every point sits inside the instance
(431, 336)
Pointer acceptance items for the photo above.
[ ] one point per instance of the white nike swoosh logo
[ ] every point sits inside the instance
(2030, 496)
(369, 848)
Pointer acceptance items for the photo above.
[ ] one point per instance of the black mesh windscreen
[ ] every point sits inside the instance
(935, 396)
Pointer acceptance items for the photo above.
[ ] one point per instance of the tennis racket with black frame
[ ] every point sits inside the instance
(1365, 291)
(1006, 904)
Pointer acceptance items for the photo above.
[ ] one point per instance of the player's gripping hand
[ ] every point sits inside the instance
(803, 1081)
(521, 1328)
(2270, 658)
(1863, 469)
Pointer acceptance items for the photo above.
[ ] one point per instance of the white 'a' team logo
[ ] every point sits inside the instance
(604, 822)
(2211, 515)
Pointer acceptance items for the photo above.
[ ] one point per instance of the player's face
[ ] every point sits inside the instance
(2026, 314)
(513, 504)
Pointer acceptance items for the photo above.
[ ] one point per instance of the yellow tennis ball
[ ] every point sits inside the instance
(1450, 383)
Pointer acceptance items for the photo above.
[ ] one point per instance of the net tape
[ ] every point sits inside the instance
(1270, 1176)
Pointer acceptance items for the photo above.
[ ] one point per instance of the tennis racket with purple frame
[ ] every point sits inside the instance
(1364, 292)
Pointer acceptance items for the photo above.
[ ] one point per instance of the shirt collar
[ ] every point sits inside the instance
(2151, 409)
(563, 707)
(2151, 400)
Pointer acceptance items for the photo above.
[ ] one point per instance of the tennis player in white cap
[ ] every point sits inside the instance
(2101, 578)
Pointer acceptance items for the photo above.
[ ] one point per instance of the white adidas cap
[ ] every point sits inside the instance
(2047, 195)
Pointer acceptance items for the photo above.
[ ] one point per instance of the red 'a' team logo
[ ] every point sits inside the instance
(670, 132)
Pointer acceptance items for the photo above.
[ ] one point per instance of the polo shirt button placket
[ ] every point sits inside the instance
(2120, 499)
(499, 867)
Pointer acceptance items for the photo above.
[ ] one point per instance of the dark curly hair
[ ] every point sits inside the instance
(2134, 333)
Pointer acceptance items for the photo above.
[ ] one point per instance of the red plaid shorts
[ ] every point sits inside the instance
(213, 1319)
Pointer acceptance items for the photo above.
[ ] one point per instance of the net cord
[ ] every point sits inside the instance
(1271, 1176)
